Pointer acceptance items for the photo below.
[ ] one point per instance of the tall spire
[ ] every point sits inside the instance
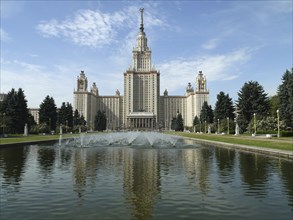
(141, 54)
(141, 19)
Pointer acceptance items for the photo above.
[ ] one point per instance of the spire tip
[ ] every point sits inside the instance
(141, 21)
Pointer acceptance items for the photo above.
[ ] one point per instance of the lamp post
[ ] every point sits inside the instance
(218, 126)
(278, 118)
(228, 125)
(254, 117)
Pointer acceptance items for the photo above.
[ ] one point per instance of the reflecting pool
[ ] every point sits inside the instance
(128, 182)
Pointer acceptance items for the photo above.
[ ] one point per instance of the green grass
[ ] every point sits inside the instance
(11, 139)
(274, 143)
(19, 138)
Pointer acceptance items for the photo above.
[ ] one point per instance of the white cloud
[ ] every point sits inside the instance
(215, 67)
(4, 36)
(95, 28)
(87, 28)
(37, 82)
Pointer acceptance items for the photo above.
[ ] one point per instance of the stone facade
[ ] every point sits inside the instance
(141, 107)
(35, 113)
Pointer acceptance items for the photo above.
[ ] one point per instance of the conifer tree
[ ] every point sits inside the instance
(285, 93)
(48, 113)
(16, 112)
(179, 123)
(224, 107)
(195, 123)
(251, 99)
(206, 113)
(65, 115)
(100, 121)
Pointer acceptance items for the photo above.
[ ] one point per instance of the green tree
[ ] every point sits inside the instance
(78, 121)
(274, 105)
(195, 123)
(285, 93)
(251, 99)
(269, 124)
(174, 123)
(65, 116)
(179, 123)
(31, 120)
(224, 107)
(16, 112)
(206, 113)
(48, 113)
(76, 118)
(100, 121)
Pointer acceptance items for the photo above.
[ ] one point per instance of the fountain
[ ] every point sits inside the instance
(132, 138)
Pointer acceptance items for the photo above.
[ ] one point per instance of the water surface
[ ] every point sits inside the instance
(125, 182)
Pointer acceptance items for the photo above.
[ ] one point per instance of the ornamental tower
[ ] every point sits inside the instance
(141, 86)
(201, 92)
(82, 82)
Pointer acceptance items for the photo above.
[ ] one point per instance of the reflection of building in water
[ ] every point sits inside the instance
(141, 181)
(79, 170)
(85, 165)
(197, 165)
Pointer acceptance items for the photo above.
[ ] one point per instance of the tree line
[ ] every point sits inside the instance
(15, 114)
(252, 104)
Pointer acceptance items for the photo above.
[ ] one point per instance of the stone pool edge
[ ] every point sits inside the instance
(267, 151)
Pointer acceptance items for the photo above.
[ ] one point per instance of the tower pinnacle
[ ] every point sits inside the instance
(141, 19)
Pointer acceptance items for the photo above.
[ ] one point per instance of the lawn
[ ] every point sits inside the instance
(11, 139)
(274, 143)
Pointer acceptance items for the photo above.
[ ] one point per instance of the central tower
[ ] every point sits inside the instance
(141, 86)
(141, 54)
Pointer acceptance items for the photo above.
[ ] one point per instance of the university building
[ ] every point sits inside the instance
(141, 107)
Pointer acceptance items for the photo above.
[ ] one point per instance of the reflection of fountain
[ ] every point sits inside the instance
(145, 139)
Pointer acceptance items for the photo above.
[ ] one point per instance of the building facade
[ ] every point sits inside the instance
(35, 113)
(141, 107)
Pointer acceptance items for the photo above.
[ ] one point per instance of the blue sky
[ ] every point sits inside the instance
(45, 44)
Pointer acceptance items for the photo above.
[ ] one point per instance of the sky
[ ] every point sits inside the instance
(45, 45)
